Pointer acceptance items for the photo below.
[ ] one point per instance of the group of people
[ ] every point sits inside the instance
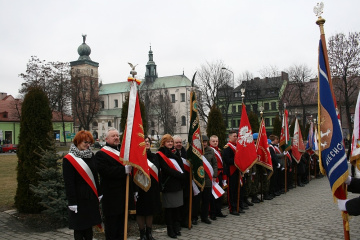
(94, 179)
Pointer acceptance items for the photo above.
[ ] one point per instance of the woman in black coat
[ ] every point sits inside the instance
(82, 186)
(148, 203)
(172, 182)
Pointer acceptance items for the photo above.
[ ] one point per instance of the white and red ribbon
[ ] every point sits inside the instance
(83, 169)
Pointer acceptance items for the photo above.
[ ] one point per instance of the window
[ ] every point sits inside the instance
(102, 105)
(226, 124)
(116, 103)
(183, 97)
(239, 108)
(183, 121)
(233, 123)
(172, 98)
(248, 108)
(95, 124)
(153, 132)
(273, 106)
(266, 106)
(234, 109)
(152, 124)
(272, 121)
(255, 107)
(5, 114)
(109, 123)
(267, 122)
(238, 122)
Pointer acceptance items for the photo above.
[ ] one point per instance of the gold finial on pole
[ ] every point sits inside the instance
(318, 10)
(261, 108)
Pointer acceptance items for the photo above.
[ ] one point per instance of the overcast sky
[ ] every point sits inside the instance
(245, 35)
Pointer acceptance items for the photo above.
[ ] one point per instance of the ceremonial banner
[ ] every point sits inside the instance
(355, 144)
(133, 151)
(195, 148)
(262, 149)
(285, 143)
(297, 147)
(310, 139)
(245, 156)
(332, 158)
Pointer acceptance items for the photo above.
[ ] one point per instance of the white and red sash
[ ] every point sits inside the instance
(154, 172)
(172, 163)
(83, 169)
(216, 189)
(196, 190)
(115, 154)
(218, 158)
(275, 148)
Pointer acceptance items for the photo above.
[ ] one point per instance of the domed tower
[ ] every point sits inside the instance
(151, 73)
(85, 87)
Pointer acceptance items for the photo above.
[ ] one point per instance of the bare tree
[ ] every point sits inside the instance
(244, 76)
(344, 61)
(85, 99)
(163, 110)
(216, 87)
(54, 79)
(269, 72)
(299, 75)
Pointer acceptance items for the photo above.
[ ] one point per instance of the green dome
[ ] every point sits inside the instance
(84, 50)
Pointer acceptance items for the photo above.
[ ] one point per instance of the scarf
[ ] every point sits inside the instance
(80, 154)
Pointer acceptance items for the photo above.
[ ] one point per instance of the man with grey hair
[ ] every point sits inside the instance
(113, 182)
(181, 152)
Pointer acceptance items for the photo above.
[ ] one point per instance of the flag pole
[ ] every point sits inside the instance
(126, 206)
(320, 22)
(190, 197)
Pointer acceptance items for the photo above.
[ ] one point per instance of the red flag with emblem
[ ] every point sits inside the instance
(133, 151)
(245, 155)
(298, 146)
(262, 149)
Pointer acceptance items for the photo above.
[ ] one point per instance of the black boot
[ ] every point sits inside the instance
(255, 199)
(170, 232)
(149, 233)
(143, 235)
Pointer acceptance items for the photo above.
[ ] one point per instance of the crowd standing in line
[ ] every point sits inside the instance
(170, 180)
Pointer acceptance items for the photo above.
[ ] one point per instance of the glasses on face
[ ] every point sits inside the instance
(86, 142)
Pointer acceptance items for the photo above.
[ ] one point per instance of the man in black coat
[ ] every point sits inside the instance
(352, 206)
(113, 182)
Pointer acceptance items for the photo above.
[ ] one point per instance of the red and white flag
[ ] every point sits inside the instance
(298, 146)
(133, 151)
(245, 155)
(262, 149)
(355, 145)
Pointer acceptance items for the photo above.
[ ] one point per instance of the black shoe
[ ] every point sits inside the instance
(194, 222)
(241, 211)
(267, 197)
(255, 200)
(170, 232)
(149, 233)
(248, 202)
(277, 193)
(221, 215)
(234, 213)
(143, 235)
(242, 206)
(206, 220)
(213, 217)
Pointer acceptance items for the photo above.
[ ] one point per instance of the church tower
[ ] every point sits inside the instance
(150, 74)
(85, 87)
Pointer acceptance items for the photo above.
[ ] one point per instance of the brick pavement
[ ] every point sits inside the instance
(302, 213)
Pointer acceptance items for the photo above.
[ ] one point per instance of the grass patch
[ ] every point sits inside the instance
(8, 164)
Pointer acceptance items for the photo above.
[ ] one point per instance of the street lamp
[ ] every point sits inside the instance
(233, 77)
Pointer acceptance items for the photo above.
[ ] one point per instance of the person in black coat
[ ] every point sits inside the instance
(352, 206)
(172, 182)
(148, 203)
(83, 198)
(113, 182)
